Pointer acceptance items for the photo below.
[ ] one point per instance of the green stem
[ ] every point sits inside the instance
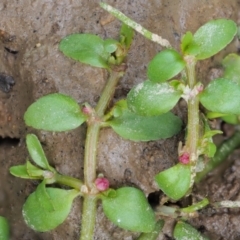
(137, 27)
(90, 162)
(195, 207)
(94, 128)
(88, 217)
(193, 129)
(68, 181)
(193, 118)
(223, 151)
(90, 154)
(108, 92)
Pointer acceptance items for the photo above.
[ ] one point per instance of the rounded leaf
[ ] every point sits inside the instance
(222, 95)
(4, 229)
(44, 211)
(183, 230)
(85, 48)
(54, 112)
(130, 210)
(211, 38)
(175, 181)
(231, 64)
(165, 65)
(151, 99)
(132, 126)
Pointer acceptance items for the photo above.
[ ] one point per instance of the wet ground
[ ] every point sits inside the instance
(30, 31)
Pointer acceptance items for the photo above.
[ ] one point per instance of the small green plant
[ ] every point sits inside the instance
(127, 207)
(145, 115)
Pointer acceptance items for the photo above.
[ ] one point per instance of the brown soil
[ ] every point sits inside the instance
(30, 31)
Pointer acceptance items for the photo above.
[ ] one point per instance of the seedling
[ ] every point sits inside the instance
(127, 207)
(143, 116)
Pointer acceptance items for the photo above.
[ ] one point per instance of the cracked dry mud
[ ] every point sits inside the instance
(30, 31)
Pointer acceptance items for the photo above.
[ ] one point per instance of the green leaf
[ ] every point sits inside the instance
(188, 45)
(154, 234)
(4, 229)
(206, 145)
(211, 115)
(231, 64)
(211, 149)
(231, 119)
(210, 133)
(119, 107)
(110, 45)
(130, 125)
(127, 35)
(228, 118)
(183, 230)
(33, 171)
(175, 181)
(151, 99)
(187, 38)
(44, 198)
(130, 210)
(21, 172)
(211, 38)
(85, 48)
(222, 95)
(36, 152)
(165, 65)
(54, 112)
(46, 208)
(110, 193)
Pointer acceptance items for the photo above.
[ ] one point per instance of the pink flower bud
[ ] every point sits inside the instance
(200, 88)
(102, 183)
(86, 110)
(184, 158)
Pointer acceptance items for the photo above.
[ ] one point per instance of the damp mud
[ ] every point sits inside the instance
(32, 66)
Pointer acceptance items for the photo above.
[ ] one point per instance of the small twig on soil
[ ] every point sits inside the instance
(129, 22)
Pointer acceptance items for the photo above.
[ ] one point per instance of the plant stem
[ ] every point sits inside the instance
(90, 154)
(88, 217)
(137, 27)
(68, 181)
(94, 127)
(195, 207)
(90, 162)
(193, 118)
(223, 151)
(108, 92)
